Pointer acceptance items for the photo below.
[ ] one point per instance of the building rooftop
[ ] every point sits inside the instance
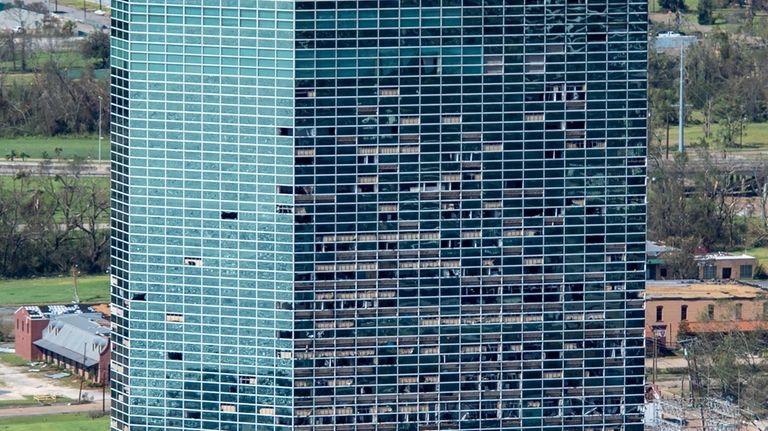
(654, 249)
(700, 290)
(725, 256)
(80, 337)
(48, 311)
(727, 326)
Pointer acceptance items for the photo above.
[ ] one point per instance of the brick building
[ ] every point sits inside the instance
(724, 266)
(78, 342)
(702, 307)
(31, 320)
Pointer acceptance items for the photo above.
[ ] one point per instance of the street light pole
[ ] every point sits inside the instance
(100, 99)
(681, 102)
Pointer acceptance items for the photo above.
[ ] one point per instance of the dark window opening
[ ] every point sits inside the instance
(228, 215)
(659, 313)
(284, 131)
(175, 356)
(683, 312)
(139, 297)
(711, 311)
(597, 37)
(745, 271)
(726, 273)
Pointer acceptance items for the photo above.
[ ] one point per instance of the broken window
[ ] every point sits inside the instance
(430, 65)
(193, 261)
(174, 317)
(228, 215)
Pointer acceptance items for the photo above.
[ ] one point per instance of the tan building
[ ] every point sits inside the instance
(704, 307)
(723, 266)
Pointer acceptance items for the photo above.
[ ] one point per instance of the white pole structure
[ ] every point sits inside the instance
(681, 114)
(99, 129)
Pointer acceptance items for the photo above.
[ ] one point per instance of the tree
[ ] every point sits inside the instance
(96, 45)
(700, 189)
(705, 12)
(68, 28)
(673, 5)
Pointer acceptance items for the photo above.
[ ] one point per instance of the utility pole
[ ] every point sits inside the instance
(655, 356)
(82, 377)
(100, 99)
(104, 377)
(84, 17)
(681, 102)
(76, 298)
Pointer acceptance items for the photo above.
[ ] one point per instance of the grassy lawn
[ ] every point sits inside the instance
(761, 253)
(35, 146)
(90, 5)
(59, 422)
(30, 400)
(755, 137)
(64, 59)
(13, 360)
(53, 290)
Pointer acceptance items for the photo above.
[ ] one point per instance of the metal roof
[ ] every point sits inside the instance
(49, 311)
(79, 337)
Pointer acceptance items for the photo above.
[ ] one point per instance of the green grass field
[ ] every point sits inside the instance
(64, 59)
(60, 422)
(91, 5)
(13, 360)
(29, 400)
(53, 290)
(755, 137)
(71, 146)
(761, 253)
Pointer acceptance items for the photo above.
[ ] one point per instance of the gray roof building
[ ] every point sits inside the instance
(79, 337)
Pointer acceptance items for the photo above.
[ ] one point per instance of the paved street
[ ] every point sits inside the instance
(17, 382)
(86, 24)
(89, 169)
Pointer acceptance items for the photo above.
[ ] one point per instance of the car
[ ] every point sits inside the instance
(99, 12)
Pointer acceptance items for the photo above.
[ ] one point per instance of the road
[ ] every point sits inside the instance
(91, 22)
(88, 169)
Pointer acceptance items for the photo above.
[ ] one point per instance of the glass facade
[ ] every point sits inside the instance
(378, 214)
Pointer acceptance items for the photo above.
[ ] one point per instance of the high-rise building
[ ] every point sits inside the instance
(378, 214)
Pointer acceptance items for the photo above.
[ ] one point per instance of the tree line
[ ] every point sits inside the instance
(725, 85)
(52, 223)
(58, 93)
(700, 201)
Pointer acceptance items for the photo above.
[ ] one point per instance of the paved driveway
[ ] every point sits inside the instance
(17, 382)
